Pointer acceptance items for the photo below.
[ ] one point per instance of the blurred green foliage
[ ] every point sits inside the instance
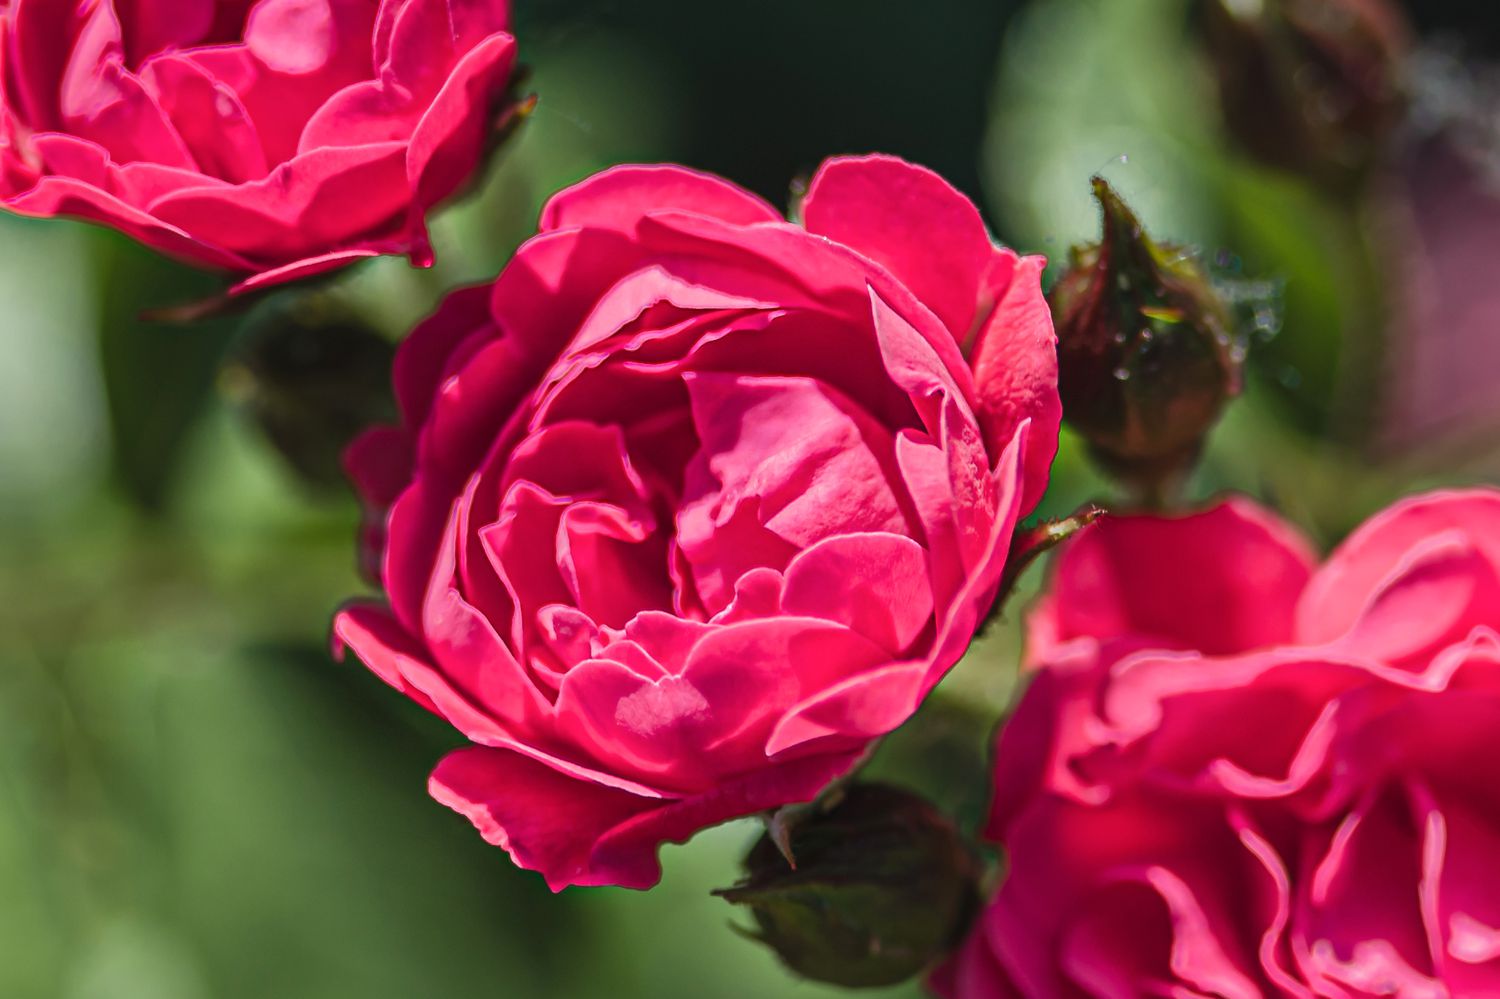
(196, 802)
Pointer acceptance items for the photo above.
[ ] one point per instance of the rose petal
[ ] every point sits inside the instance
(210, 118)
(1015, 371)
(379, 463)
(450, 139)
(876, 584)
(1221, 581)
(295, 37)
(798, 453)
(575, 833)
(40, 40)
(303, 269)
(912, 222)
(1359, 927)
(323, 198)
(1433, 598)
(620, 196)
(102, 102)
(64, 196)
(1342, 588)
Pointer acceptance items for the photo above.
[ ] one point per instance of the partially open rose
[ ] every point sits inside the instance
(1237, 775)
(273, 139)
(693, 503)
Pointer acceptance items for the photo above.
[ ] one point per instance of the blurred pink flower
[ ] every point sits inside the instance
(1237, 774)
(692, 502)
(274, 139)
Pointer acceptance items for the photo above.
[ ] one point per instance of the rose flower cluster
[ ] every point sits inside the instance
(273, 139)
(1237, 773)
(693, 505)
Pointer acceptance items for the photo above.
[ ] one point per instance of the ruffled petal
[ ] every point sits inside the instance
(1342, 588)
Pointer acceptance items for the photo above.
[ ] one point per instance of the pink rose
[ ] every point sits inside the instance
(275, 139)
(693, 503)
(1237, 774)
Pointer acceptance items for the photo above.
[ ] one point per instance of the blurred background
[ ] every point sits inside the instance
(195, 801)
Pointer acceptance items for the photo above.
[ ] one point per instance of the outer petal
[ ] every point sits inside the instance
(302, 269)
(381, 644)
(973, 973)
(426, 357)
(1364, 563)
(451, 137)
(1441, 590)
(578, 833)
(464, 645)
(1221, 581)
(379, 464)
(325, 198)
(397, 658)
(1053, 724)
(913, 223)
(62, 196)
(619, 197)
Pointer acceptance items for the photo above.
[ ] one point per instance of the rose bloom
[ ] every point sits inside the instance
(274, 139)
(692, 502)
(1237, 774)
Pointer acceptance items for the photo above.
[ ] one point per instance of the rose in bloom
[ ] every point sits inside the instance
(1237, 774)
(692, 502)
(270, 138)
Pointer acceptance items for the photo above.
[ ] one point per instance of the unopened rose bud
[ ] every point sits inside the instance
(1147, 353)
(883, 886)
(1311, 86)
(310, 377)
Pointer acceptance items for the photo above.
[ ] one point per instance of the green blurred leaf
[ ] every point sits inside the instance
(157, 376)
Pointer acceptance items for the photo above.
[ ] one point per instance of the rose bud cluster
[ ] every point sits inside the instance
(1237, 773)
(1310, 86)
(1147, 350)
(692, 503)
(273, 139)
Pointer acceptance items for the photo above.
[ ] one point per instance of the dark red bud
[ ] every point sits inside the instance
(1310, 86)
(1147, 353)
